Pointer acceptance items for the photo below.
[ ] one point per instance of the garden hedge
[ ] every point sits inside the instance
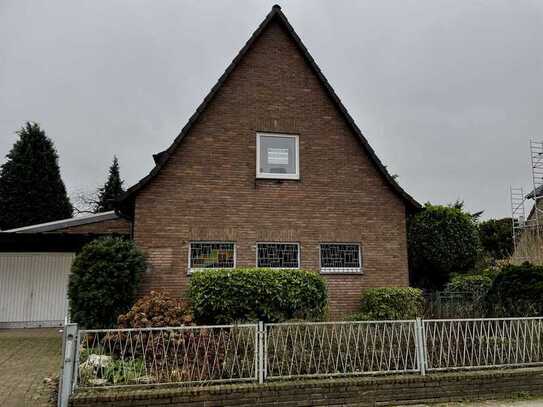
(252, 294)
(516, 291)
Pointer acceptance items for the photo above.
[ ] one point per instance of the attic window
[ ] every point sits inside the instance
(277, 156)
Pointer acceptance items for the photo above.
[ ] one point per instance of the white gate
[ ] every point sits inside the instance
(33, 289)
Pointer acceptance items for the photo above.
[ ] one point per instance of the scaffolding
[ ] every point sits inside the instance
(526, 230)
(518, 215)
(536, 151)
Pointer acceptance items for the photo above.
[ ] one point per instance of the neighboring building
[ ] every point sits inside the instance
(528, 233)
(35, 263)
(272, 171)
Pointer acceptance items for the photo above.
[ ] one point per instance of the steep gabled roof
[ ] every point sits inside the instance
(275, 15)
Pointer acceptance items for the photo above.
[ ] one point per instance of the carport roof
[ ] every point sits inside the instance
(64, 223)
(44, 242)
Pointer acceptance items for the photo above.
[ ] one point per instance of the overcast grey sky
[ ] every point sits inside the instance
(448, 93)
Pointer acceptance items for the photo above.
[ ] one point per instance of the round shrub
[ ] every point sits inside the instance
(390, 303)
(269, 295)
(103, 282)
(474, 284)
(517, 291)
(156, 310)
(442, 240)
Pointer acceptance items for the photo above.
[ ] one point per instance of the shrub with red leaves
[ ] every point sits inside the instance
(156, 310)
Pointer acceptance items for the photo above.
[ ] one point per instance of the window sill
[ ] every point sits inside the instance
(191, 271)
(278, 177)
(341, 271)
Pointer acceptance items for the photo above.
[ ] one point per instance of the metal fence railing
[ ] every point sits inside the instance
(188, 354)
(340, 348)
(482, 343)
(259, 352)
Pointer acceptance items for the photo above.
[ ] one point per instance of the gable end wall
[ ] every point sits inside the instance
(208, 191)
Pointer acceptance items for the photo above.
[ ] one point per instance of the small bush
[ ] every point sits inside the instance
(517, 291)
(156, 310)
(103, 283)
(390, 303)
(269, 295)
(473, 284)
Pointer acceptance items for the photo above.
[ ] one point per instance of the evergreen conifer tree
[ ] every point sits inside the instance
(31, 189)
(112, 189)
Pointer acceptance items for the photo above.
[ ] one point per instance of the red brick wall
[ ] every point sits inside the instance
(120, 226)
(207, 190)
(365, 391)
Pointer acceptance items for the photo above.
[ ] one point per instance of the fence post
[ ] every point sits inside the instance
(419, 345)
(260, 352)
(68, 364)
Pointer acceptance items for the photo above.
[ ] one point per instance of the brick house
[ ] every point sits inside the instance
(272, 171)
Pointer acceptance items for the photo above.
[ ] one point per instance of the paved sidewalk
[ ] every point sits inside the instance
(27, 357)
(495, 403)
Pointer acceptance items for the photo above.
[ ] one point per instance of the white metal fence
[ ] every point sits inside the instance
(340, 348)
(188, 354)
(260, 352)
(482, 343)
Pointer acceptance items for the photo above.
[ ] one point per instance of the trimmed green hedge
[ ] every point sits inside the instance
(251, 294)
(389, 303)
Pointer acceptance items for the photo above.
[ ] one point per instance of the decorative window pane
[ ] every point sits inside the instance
(277, 156)
(206, 255)
(340, 258)
(277, 255)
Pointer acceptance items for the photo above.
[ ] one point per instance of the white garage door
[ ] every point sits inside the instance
(33, 288)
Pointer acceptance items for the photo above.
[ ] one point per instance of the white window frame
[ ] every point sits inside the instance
(279, 268)
(342, 270)
(196, 269)
(275, 175)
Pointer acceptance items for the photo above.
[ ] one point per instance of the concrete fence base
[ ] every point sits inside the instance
(360, 391)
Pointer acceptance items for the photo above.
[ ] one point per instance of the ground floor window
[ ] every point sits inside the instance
(340, 258)
(211, 255)
(278, 255)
